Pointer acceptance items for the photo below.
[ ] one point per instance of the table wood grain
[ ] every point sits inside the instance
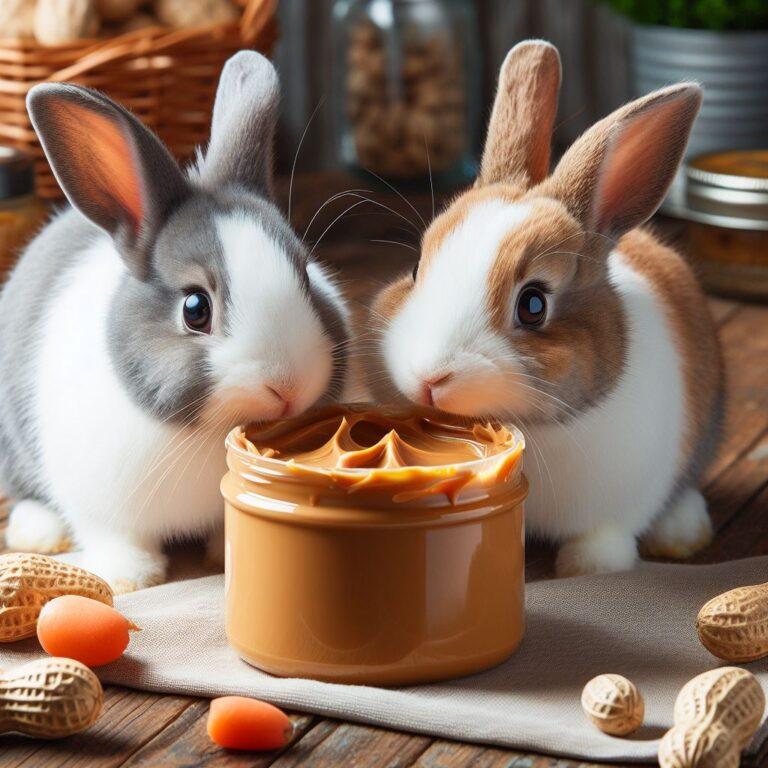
(146, 729)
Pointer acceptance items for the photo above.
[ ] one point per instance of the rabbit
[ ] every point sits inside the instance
(157, 312)
(537, 299)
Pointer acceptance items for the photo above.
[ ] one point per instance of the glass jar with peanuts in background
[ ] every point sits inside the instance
(21, 213)
(407, 87)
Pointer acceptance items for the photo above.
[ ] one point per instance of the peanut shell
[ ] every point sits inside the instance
(49, 698)
(729, 696)
(698, 746)
(195, 13)
(734, 626)
(17, 18)
(613, 704)
(29, 581)
(61, 21)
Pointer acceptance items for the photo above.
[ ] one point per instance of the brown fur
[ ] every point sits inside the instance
(693, 331)
(448, 221)
(624, 137)
(527, 99)
(577, 215)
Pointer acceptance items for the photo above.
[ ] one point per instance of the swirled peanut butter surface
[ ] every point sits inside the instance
(409, 453)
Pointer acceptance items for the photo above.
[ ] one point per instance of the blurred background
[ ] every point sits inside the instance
(611, 51)
(397, 93)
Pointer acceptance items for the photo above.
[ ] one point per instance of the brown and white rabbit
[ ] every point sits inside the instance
(537, 299)
(143, 322)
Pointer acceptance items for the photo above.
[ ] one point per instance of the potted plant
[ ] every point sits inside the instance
(722, 44)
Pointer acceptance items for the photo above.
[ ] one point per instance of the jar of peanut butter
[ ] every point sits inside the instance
(374, 547)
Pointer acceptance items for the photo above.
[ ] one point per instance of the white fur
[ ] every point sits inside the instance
(683, 529)
(321, 280)
(354, 388)
(597, 481)
(33, 527)
(124, 481)
(275, 337)
(444, 325)
(102, 456)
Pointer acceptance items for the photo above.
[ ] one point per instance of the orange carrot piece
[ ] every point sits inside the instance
(83, 629)
(237, 722)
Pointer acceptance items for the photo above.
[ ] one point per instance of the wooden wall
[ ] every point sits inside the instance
(593, 44)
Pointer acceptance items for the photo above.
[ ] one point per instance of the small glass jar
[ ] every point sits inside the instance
(21, 212)
(334, 575)
(406, 86)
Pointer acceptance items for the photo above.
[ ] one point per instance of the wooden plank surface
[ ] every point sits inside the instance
(145, 729)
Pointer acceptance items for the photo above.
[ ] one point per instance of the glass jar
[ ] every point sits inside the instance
(727, 207)
(406, 86)
(21, 213)
(373, 575)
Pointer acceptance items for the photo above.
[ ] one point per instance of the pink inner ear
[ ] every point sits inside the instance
(102, 159)
(639, 165)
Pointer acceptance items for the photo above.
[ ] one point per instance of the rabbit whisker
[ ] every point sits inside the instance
(331, 199)
(296, 155)
(396, 242)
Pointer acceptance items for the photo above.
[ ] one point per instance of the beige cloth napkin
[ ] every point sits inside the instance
(639, 624)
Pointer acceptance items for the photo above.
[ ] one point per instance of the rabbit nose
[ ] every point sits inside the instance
(284, 394)
(430, 384)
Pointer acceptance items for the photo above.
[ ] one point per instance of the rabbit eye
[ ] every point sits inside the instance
(415, 271)
(197, 312)
(531, 306)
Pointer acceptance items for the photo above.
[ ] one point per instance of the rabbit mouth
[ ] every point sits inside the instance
(238, 405)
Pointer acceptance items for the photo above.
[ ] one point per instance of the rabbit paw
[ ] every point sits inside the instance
(124, 567)
(214, 551)
(602, 551)
(33, 527)
(682, 529)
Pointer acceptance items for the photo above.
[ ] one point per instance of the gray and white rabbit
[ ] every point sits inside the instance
(144, 322)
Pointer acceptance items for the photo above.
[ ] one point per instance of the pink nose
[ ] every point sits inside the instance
(428, 386)
(284, 395)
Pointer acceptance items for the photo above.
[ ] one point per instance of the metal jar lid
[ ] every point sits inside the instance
(729, 189)
(17, 174)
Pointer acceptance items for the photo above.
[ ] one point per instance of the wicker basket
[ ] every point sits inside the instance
(166, 77)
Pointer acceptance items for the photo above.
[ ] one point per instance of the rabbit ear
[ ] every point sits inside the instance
(111, 168)
(517, 148)
(243, 125)
(615, 176)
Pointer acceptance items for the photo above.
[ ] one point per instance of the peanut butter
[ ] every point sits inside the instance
(408, 454)
(371, 546)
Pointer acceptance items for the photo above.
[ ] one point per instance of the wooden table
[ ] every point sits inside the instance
(138, 728)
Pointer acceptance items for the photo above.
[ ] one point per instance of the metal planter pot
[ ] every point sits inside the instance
(732, 67)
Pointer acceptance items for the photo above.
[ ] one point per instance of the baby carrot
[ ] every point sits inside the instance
(83, 629)
(236, 722)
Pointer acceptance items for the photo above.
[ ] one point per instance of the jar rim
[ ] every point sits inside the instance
(723, 197)
(517, 446)
(403, 484)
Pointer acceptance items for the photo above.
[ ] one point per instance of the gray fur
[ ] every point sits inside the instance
(167, 375)
(164, 370)
(245, 116)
